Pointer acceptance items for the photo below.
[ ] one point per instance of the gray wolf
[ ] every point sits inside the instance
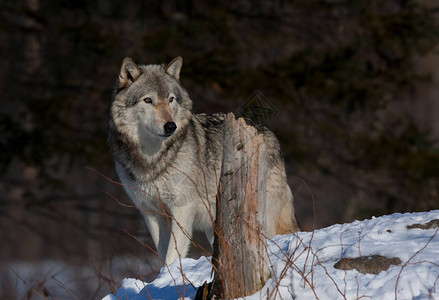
(169, 159)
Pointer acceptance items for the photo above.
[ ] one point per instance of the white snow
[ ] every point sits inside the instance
(303, 265)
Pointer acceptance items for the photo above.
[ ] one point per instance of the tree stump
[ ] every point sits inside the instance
(240, 250)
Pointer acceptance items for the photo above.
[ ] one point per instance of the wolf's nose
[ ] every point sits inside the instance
(170, 127)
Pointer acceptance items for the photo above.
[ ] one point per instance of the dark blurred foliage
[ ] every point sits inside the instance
(341, 73)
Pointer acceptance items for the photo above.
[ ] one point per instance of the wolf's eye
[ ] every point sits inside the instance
(147, 100)
(171, 99)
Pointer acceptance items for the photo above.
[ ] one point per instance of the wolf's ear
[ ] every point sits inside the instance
(129, 72)
(174, 67)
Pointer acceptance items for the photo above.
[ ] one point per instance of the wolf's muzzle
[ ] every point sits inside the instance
(170, 127)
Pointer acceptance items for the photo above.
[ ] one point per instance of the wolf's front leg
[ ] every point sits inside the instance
(159, 231)
(181, 235)
(210, 235)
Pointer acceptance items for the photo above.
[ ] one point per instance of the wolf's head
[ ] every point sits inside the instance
(149, 103)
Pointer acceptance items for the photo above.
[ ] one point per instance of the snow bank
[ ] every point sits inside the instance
(303, 264)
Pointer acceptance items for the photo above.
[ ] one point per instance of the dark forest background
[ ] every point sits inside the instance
(355, 85)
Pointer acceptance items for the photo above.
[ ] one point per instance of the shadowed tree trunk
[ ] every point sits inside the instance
(240, 251)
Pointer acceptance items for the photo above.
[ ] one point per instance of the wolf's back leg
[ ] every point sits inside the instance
(280, 205)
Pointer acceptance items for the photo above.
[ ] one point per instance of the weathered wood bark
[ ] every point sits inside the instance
(240, 252)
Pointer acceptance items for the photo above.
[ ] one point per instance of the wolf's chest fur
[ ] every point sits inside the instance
(190, 177)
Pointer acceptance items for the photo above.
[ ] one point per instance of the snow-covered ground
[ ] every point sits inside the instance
(303, 264)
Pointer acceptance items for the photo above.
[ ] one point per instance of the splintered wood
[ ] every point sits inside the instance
(240, 255)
